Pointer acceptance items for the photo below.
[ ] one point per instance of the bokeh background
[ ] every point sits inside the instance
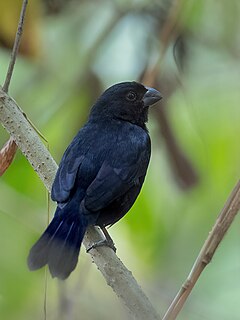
(71, 51)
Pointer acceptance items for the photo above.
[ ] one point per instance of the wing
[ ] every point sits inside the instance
(101, 166)
(65, 177)
(112, 182)
(68, 168)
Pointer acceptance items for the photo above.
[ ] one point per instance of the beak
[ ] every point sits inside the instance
(151, 96)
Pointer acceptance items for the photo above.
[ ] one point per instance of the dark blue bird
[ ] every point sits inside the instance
(100, 175)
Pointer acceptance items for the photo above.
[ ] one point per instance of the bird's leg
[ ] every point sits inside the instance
(108, 241)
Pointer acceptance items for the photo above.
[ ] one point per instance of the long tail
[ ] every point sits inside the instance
(59, 245)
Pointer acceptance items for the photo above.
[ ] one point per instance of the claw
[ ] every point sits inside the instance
(108, 242)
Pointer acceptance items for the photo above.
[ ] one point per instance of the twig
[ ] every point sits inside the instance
(45, 294)
(182, 168)
(15, 46)
(167, 32)
(214, 238)
(116, 274)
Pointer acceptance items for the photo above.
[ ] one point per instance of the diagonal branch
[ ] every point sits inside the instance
(116, 274)
(15, 46)
(211, 244)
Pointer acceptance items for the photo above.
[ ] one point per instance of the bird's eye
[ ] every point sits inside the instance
(131, 96)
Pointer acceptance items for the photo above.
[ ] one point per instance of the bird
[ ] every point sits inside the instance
(100, 175)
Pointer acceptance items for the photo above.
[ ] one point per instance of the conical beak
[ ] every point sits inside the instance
(151, 96)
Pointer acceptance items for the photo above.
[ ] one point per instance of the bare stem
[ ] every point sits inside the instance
(213, 240)
(15, 46)
(167, 32)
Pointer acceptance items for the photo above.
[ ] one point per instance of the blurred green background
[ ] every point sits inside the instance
(71, 51)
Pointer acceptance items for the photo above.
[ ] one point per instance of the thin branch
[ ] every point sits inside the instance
(182, 168)
(212, 242)
(116, 274)
(167, 32)
(15, 46)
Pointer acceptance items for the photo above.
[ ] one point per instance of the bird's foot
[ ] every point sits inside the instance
(108, 242)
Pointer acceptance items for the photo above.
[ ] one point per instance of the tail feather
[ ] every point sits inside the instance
(64, 253)
(59, 246)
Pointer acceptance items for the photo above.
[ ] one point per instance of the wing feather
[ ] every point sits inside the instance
(111, 183)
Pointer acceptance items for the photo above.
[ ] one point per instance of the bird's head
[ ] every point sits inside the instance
(128, 101)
